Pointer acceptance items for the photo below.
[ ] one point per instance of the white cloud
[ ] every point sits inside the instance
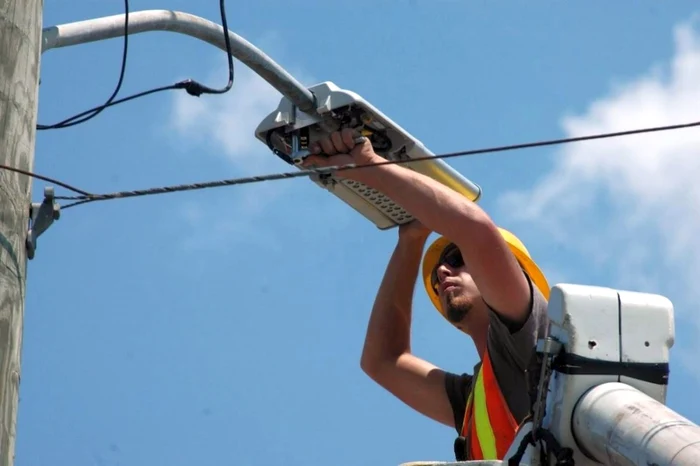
(227, 122)
(225, 125)
(631, 205)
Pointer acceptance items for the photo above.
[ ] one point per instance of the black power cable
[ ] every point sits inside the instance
(85, 197)
(191, 86)
(47, 179)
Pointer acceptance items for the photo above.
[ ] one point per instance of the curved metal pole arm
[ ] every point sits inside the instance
(110, 27)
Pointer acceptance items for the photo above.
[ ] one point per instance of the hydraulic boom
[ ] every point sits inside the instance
(603, 386)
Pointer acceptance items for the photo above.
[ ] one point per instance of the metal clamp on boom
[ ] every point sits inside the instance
(547, 348)
(41, 217)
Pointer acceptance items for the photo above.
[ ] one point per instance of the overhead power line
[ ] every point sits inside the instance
(196, 89)
(191, 86)
(84, 197)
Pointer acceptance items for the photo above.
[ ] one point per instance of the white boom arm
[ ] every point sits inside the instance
(618, 424)
(604, 378)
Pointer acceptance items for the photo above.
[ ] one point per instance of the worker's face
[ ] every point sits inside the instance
(455, 286)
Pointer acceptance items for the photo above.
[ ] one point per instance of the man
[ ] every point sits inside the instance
(481, 280)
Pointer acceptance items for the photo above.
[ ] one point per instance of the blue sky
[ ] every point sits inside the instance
(225, 326)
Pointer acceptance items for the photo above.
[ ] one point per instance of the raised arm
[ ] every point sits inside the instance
(387, 356)
(441, 209)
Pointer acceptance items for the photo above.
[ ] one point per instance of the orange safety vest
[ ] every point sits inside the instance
(488, 426)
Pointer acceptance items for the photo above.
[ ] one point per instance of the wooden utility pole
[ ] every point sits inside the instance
(20, 52)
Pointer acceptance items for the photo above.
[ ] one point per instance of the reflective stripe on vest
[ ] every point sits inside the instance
(492, 428)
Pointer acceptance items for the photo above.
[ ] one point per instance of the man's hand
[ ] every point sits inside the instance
(340, 148)
(414, 231)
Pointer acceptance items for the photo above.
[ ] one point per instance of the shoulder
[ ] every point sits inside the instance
(536, 313)
(516, 342)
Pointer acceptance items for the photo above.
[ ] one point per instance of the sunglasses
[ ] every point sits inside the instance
(450, 256)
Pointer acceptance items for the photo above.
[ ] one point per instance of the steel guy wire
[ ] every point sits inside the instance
(84, 197)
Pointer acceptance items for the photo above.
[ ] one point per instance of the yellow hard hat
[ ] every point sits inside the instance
(432, 255)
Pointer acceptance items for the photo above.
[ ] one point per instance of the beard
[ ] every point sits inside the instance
(457, 307)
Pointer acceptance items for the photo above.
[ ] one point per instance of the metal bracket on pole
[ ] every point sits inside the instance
(41, 217)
